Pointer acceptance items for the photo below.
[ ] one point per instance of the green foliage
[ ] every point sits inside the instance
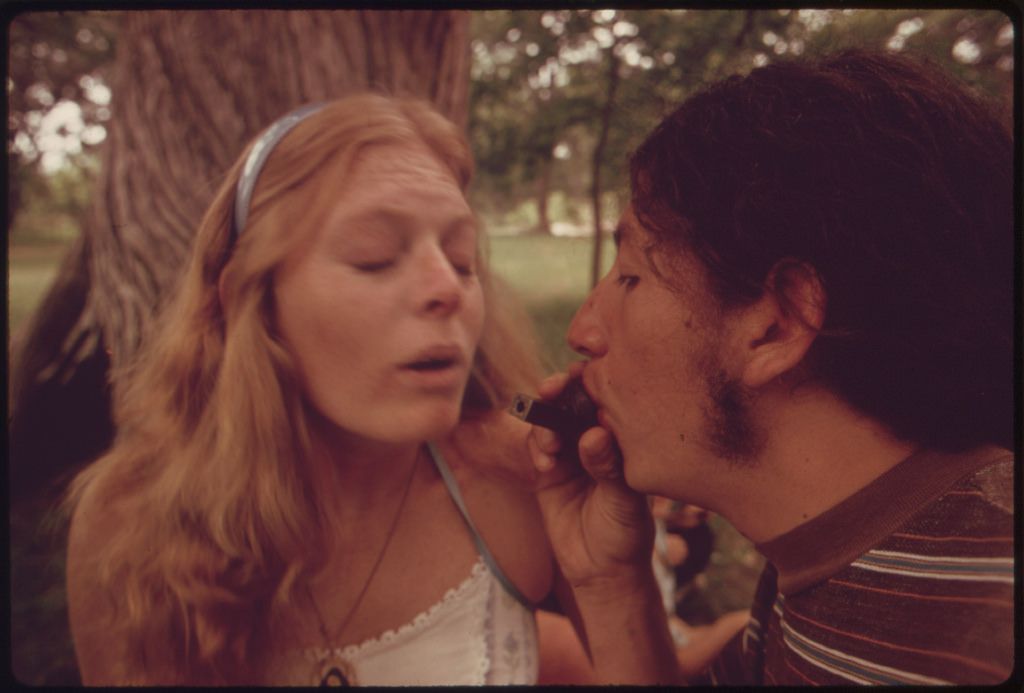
(54, 57)
(540, 77)
(56, 60)
(52, 206)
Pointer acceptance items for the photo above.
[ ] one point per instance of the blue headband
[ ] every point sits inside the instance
(258, 156)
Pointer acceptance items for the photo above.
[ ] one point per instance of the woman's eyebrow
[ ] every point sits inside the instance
(392, 219)
(464, 223)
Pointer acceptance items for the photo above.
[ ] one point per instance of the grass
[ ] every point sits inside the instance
(31, 270)
(551, 275)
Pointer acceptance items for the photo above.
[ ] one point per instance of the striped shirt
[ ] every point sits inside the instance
(908, 581)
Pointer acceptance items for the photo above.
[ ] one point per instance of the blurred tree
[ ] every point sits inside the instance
(541, 80)
(974, 45)
(589, 84)
(53, 59)
(52, 204)
(189, 89)
(519, 106)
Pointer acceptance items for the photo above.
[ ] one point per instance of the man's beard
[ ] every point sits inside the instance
(729, 423)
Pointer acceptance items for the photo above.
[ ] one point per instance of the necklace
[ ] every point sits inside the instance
(331, 668)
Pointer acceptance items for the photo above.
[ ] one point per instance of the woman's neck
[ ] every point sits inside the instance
(357, 472)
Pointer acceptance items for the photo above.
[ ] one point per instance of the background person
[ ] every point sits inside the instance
(808, 329)
(295, 495)
(682, 549)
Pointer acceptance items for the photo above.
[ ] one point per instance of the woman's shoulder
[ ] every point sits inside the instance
(490, 460)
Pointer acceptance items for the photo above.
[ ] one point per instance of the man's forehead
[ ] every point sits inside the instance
(629, 231)
(618, 234)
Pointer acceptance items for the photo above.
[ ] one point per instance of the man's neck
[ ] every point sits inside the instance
(818, 452)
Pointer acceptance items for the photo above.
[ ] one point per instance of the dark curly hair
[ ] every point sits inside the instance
(895, 183)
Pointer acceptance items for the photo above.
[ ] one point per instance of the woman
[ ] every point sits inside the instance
(295, 495)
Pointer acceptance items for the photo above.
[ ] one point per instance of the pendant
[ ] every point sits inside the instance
(333, 671)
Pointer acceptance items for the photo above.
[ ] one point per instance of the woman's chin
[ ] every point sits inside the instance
(420, 426)
(399, 425)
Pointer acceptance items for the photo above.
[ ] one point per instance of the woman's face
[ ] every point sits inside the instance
(382, 309)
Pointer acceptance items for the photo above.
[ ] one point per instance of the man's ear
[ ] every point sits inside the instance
(780, 327)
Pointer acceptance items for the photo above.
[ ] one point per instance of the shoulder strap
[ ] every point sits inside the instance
(456, 496)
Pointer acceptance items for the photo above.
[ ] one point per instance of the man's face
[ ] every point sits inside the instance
(658, 370)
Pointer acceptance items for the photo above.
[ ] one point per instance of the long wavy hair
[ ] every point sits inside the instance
(213, 429)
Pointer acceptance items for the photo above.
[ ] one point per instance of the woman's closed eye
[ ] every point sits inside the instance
(371, 266)
(464, 268)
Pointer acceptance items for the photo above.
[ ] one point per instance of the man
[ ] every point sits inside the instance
(809, 330)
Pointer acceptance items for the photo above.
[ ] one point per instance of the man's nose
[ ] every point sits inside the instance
(586, 334)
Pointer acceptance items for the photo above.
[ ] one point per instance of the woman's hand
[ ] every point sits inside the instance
(601, 531)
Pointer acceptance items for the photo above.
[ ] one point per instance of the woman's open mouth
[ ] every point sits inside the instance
(429, 365)
(438, 368)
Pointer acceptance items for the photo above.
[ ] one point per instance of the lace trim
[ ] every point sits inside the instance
(484, 669)
(418, 623)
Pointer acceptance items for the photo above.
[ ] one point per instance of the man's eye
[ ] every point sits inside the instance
(627, 280)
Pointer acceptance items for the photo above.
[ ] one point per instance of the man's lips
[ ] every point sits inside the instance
(603, 417)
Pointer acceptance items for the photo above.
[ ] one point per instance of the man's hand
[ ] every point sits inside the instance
(601, 530)
(602, 534)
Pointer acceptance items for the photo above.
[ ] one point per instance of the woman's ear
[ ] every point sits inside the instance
(778, 329)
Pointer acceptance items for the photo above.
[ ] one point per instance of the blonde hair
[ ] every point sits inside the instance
(212, 427)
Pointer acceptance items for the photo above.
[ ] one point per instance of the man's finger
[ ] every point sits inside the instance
(547, 441)
(600, 455)
(552, 385)
(544, 446)
(557, 481)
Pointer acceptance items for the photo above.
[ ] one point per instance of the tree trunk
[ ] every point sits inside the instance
(543, 193)
(595, 187)
(189, 90)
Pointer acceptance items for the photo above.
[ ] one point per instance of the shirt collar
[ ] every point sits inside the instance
(820, 547)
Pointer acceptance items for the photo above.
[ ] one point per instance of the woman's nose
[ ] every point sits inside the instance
(442, 293)
(586, 334)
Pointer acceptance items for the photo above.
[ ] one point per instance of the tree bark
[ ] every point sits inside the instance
(190, 88)
(602, 139)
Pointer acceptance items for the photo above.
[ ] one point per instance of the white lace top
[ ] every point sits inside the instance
(482, 632)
